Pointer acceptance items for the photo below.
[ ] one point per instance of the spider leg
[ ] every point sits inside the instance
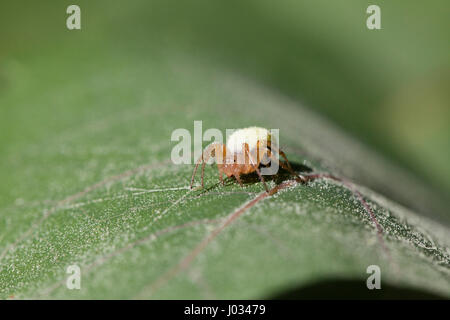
(238, 179)
(203, 159)
(203, 172)
(208, 152)
(254, 165)
(195, 170)
(220, 156)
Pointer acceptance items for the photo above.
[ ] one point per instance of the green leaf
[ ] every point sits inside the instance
(103, 194)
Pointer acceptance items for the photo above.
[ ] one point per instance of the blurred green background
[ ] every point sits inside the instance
(389, 87)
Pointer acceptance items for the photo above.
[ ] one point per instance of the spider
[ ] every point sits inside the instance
(252, 145)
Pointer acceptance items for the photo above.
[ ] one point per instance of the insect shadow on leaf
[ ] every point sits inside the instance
(245, 152)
